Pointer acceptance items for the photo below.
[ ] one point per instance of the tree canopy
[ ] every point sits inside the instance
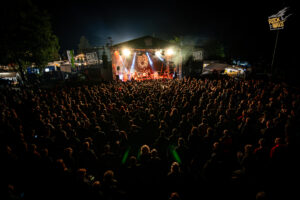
(213, 49)
(83, 44)
(178, 40)
(26, 35)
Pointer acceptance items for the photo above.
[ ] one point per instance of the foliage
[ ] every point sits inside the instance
(83, 44)
(213, 49)
(177, 40)
(109, 41)
(105, 61)
(26, 36)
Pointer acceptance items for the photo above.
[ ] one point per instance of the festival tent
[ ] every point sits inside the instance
(219, 67)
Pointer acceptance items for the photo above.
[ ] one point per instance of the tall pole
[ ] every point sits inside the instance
(272, 64)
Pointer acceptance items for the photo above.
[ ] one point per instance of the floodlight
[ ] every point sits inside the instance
(170, 52)
(126, 52)
(158, 53)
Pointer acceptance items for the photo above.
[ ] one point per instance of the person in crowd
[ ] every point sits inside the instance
(110, 185)
(143, 127)
(175, 178)
(174, 196)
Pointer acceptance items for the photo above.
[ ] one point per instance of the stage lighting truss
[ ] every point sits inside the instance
(165, 52)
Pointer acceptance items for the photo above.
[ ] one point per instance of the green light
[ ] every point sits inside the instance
(175, 154)
(125, 156)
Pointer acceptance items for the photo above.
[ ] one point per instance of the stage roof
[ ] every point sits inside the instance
(146, 42)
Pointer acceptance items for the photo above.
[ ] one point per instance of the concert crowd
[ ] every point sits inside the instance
(154, 139)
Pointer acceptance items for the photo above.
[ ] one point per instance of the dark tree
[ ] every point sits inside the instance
(178, 40)
(109, 41)
(83, 44)
(105, 61)
(26, 36)
(213, 49)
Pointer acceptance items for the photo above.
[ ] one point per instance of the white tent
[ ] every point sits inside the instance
(8, 74)
(215, 66)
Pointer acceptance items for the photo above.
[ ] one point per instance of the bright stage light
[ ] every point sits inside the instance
(116, 53)
(170, 52)
(121, 77)
(126, 52)
(158, 53)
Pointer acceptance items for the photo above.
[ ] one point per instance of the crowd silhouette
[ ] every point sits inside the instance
(154, 139)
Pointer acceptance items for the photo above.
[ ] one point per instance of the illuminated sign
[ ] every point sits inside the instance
(92, 57)
(276, 21)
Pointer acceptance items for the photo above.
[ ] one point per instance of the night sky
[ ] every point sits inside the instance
(242, 27)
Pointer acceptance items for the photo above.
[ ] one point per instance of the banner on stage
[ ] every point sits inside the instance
(92, 58)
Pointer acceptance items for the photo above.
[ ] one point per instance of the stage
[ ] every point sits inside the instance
(146, 58)
(143, 76)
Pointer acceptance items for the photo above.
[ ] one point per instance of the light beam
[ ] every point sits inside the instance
(133, 63)
(150, 61)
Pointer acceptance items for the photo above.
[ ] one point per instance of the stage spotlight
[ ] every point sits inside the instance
(126, 52)
(117, 53)
(170, 52)
(158, 53)
(121, 77)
